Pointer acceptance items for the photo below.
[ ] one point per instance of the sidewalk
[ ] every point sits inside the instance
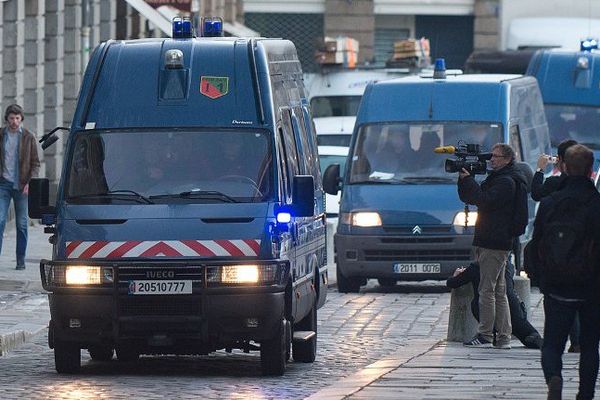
(21, 295)
(436, 369)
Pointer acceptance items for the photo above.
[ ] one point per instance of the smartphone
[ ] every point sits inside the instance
(552, 159)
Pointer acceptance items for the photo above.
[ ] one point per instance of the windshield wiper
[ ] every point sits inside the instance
(116, 194)
(197, 194)
(384, 181)
(428, 179)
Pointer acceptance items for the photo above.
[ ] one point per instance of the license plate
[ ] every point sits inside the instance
(417, 268)
(160, 287)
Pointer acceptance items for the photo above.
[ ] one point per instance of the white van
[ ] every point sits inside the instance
(334, 98)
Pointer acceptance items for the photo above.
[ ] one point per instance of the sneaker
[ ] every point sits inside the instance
(502, 345)
(20, 266)
(533, 341)
(555, 388)
(478, 341)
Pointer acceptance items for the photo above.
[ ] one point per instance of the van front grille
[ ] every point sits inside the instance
(159, 305)
(417, 240)
(417, 255)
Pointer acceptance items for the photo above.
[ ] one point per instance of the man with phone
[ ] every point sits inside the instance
(540, 187)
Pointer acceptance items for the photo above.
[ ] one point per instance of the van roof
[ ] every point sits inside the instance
(345, 83)
(560, 79)
(127, 84)
(477, 97)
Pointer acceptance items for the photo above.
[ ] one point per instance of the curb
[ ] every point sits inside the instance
(12, 340)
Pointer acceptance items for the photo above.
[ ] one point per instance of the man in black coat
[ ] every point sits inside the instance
(521, 327)
(541, 188)
(575, 292)
(496, 201)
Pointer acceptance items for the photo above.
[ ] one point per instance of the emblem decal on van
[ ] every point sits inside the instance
(163, 248)
(214, 86)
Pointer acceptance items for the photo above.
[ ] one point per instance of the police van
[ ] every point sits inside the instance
(190, 214)
(400, 215)
(570, 85)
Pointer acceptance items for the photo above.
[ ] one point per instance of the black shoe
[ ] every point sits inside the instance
(533, 341)
(478, 341)
(555, 388)
(20, 266)
(574, 349)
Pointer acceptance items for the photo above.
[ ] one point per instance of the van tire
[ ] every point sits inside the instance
(127, 354)
(67, 357)
(347, 285)
(274, 353)
(387, 282)
(101, 353)
(306, 351)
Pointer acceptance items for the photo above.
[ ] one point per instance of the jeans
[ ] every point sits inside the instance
(493, 303)
(558, 323)
(8, 193)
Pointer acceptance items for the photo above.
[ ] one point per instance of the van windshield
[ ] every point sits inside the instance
(403, 152)
(334, 106)
(573, 122)
(169, 166)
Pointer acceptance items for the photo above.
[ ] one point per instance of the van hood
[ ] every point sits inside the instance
(162, 231)
(405, 204)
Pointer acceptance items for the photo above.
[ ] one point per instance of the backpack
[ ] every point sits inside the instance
(565, 251)
(520, 209)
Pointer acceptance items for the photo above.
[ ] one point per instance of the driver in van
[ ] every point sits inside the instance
(395, 154)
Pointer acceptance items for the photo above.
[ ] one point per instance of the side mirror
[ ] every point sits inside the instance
(331, 179)
(38, 198)
(303, 195)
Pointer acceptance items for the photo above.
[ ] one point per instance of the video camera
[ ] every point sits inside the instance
(468, 156)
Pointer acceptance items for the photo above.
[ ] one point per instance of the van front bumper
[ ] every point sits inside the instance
(208, 318)
(382, 256)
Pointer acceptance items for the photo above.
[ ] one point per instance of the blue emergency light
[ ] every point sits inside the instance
(439, 69)
(284, 217)
(212, 27)
(182, 28)
(588, 44)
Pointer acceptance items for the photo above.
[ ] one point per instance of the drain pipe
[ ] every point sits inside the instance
(85, 33)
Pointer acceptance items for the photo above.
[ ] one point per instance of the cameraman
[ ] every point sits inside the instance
(495, 199)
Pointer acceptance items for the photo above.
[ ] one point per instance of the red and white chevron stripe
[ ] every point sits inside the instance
(163, 248)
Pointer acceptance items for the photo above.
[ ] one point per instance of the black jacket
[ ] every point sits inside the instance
(495, 199)
(573, 186)
(541, 188)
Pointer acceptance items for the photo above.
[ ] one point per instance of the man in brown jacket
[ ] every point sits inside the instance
(19, 162)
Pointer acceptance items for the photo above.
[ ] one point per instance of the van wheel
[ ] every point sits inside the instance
(101, 353)
(67, 357)
(347, 285)
(387, 282)
(127, 354)
(306, 351)
(273, 353)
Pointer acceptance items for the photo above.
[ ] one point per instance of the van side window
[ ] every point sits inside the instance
(301, 146)
(515, 142)
(289, 143)
(311, 136)
(286, 185)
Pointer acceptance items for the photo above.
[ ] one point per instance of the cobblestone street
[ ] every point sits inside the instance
(354, 331)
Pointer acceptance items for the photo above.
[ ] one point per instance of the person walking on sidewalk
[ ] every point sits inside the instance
(566, 240)
(19, 162)
(497, 202)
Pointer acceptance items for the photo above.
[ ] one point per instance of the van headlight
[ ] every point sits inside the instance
(363, 219)
(62, 275)
(460, 217)
(245, 274)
